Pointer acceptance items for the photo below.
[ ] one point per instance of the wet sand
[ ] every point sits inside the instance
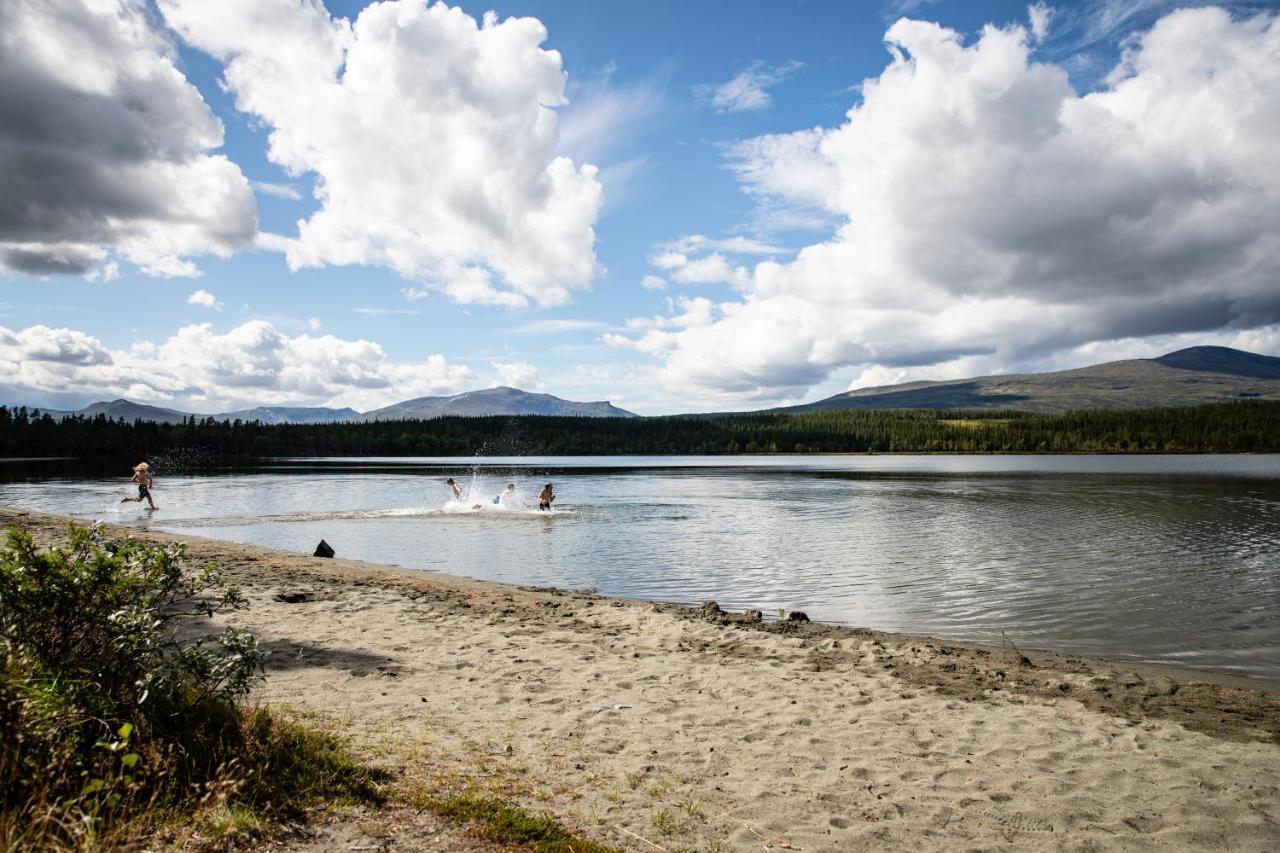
(649, 726)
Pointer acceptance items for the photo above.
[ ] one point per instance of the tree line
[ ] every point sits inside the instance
(1238, 427)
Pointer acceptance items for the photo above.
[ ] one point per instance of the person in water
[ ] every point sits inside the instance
(503, 498)
(142, 476)
(545, 497)
(457, 490)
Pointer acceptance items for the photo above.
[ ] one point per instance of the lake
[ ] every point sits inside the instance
(1162, 559)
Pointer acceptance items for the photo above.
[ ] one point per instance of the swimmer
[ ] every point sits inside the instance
(142, 476)
(503, 498)
(545, 497)
(457, 491)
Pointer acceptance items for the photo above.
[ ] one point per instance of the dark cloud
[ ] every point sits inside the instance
(104, 145)
(47, 261)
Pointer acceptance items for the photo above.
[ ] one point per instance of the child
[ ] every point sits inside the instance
(142, 476)
(457, 491)
(545, 497)
(502, 498)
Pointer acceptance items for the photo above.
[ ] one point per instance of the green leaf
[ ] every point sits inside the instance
(92, 787)
(130, 759)
(125, 731)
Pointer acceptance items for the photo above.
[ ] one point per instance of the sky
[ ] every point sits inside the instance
(673, 206)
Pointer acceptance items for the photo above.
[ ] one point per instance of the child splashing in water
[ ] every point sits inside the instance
(545, 497)
(142, 476)
(503, 498)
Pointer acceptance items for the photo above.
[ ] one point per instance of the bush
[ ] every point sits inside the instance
(107, 717)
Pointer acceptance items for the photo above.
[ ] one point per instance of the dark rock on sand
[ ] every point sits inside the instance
(324, 549)
(797, 616)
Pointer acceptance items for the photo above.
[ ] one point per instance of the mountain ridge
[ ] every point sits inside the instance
(1204, 374)
(485, 401)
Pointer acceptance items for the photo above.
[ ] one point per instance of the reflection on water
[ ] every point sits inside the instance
(1163, 559)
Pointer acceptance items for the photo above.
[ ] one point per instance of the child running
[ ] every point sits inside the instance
(545, 497)
(142, 476)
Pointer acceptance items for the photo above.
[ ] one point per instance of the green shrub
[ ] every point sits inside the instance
(106, 716)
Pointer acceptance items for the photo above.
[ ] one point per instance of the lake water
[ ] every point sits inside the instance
(1164, 559)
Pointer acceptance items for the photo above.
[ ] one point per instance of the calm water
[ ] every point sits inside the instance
(1172, 560)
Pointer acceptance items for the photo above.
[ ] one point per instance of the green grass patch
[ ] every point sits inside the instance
(495, 820)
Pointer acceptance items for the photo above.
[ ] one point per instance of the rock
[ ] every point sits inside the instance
(797, 616)
(710, 608)
(292, 597)
(324, 549)
(752, 616)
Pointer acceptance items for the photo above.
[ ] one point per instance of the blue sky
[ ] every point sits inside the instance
(725, 120)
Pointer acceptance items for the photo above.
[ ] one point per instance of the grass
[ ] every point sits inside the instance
(265, 769)
(504, 823)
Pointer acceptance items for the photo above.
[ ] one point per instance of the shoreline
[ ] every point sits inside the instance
(734, 733)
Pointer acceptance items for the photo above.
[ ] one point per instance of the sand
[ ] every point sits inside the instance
(653, 727)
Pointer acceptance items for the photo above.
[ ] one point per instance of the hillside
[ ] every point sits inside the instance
(290, 415)
(1187, 377)
(494, 401)
(128, 410)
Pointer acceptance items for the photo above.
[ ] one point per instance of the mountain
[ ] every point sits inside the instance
(1182, 378)
(290, 415)
(130, 411)
(495, 401)
(491, 401)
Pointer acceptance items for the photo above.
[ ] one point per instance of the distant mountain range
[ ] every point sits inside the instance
(489, 401)
(494, 401)
(1183, 378)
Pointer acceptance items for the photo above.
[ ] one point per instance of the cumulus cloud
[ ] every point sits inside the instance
(106, 146)
(653, 282)
(201, 370)
(204, 299)
(749, 89)
(432, 138)
(517, 374)
(991, 215)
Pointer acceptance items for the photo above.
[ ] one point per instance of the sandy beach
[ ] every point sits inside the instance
(653, 727)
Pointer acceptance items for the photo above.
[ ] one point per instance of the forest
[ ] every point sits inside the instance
(1236, 427)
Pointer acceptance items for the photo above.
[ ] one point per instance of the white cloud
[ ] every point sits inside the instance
(602, 115)
(200, 370)
(653, 282)
(465, 192)
(991, 216)
(1039, 14)
(204, 299)
(285, 191)
(749, 89)
(106, 147)
(738, 245)
(710, 269)
(696, 311)
(517, 374)
(555, 327)
(385, 312)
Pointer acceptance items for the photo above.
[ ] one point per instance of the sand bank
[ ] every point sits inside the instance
(653, 727)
